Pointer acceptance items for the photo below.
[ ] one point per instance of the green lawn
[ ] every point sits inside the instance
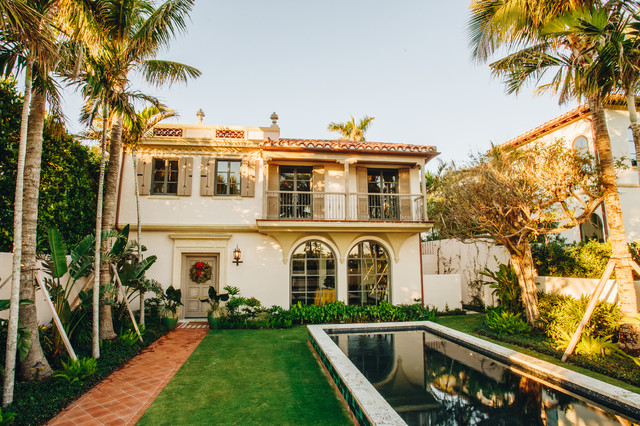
(249, 377)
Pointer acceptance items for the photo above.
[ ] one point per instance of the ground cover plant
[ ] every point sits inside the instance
(619, 371)
(249, 377)
(37, 402)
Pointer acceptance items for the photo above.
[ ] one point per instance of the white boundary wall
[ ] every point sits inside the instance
(444, 257)
(44, 312)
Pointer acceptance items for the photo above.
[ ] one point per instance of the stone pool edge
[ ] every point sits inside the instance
(602, 393)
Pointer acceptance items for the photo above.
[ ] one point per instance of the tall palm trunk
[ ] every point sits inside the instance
(134, 158)
(629, 335)
(98, 242)
(35, 365)
(109, 218)
(523, 265)
(635, 127)
(12, 332)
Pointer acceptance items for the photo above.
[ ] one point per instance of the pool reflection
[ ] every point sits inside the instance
(431, 381)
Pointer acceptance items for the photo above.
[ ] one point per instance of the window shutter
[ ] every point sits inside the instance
(363, 198)
(318, 192)
(404, 188)
(207, 170)
(185, 176)
(144, 176)
(272, 196)
(248, 177)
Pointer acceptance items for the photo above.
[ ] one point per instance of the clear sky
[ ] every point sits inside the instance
(406, 62)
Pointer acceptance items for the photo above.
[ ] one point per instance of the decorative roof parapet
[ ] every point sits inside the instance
(347, 145)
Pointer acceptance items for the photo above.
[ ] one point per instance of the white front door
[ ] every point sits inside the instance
(198, 273)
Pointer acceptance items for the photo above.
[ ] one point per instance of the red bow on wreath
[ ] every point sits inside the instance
(199, 266)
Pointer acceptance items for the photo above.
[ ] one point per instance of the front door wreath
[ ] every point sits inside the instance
(200, 272)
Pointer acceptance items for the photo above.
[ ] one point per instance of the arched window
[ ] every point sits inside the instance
(313, 274)
(581, 144)
(368, 274)
(593, 229)
(632, 148)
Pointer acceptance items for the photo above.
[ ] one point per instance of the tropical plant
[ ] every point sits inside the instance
(133, 31)
(32, 50)
(560, 316)
(512, 197)
(505, 322)
(78, 369)
(135, 128)
(350, 129)
(557, 37)
(505, 286)
(214, 300)
(172, 300)
(56, 267)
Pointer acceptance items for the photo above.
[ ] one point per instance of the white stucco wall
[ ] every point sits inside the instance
(629, 190)
(443, 291)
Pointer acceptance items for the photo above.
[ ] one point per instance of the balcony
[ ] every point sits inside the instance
(336, 206)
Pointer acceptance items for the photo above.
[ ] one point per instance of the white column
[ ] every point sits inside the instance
(347, 210)
(424, 190)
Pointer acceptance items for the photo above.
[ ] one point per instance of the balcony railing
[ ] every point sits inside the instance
(294, 205)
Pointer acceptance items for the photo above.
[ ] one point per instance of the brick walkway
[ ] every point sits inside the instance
(126, 394)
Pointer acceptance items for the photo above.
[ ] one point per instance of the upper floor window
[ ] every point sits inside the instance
(382, 181)
(581, 144)
(296, 179)
(165, 176)
(228, 177)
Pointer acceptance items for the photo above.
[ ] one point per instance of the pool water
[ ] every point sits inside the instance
(431, 381)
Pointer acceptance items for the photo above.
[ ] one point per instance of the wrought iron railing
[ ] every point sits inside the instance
(340, 206)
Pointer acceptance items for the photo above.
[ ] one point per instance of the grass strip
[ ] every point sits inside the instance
(471, 324)
(249, 377)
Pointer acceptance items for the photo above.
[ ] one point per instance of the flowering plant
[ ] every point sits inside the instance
(200, 272)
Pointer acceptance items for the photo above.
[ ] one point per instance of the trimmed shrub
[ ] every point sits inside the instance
(561, 315)
(505, 322)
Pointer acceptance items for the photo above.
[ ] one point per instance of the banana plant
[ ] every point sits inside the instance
(24, 335)
(56, 266)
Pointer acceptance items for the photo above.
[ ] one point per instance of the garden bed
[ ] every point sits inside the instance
(39, 401)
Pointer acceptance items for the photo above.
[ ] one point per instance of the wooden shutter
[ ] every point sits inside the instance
(318, 192)
(363, 189)
(404, 188)
(273, 197)
(144, 176)
(185, 176)
(248, 177)
(207, 172)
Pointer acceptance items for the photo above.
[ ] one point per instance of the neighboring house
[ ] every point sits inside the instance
(575, 128)
(284, 220)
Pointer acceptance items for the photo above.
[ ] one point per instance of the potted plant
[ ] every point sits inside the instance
(172, 299)
(214, 299)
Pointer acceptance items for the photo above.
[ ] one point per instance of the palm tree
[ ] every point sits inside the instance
(26, 42)
(135, 30)
(350, 130)
(135, 128)
(543, 40)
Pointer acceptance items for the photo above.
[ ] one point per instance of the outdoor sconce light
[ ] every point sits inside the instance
(237, 254)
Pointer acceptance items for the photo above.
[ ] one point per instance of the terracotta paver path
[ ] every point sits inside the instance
(126, 394)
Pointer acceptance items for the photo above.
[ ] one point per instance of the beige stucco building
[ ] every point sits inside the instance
(575, 128)
(313, 220)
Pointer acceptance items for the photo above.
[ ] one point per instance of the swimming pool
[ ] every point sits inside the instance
(424, 373)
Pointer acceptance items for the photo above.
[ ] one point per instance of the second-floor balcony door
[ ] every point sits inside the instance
(383, 194)
(296, 197)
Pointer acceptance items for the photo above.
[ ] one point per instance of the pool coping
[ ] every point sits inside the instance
(369, 407)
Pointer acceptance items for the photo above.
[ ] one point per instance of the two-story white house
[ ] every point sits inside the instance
(575, 128)
(285, 220)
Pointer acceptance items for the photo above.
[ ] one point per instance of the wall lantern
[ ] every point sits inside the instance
(237, 254)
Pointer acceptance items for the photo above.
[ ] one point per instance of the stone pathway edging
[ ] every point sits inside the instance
(124, 396)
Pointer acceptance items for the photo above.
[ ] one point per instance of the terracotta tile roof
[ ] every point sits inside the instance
(349, 146)
(548, 127)
(612, 102)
